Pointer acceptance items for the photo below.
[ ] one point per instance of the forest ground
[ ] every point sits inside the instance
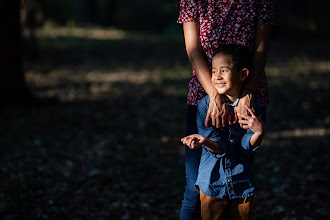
(110, 149)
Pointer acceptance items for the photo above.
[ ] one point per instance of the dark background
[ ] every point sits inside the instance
(93, 109)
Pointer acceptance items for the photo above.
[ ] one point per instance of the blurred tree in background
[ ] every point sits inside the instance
(312, 16)
(13, 88)
(160, 16)
(148, 16)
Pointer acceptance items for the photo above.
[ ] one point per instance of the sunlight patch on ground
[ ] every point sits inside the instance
(299, 133)
(97, 76)
(111, 33)
(302, 66)
(140, 78)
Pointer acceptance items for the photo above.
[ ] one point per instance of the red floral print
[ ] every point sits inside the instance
(226, 22)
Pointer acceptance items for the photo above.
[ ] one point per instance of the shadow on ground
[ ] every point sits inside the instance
(117, 154)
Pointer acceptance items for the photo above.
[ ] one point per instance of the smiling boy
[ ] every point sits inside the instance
(225, 176)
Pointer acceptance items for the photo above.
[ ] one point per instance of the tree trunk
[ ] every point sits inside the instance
(110, 13)
(85, 11)
(13, 89)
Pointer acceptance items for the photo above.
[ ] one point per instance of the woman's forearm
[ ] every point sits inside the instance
(259, 56)
(197, 57)
(203, 73)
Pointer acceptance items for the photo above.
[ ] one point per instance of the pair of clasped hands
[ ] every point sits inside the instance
(247, 120)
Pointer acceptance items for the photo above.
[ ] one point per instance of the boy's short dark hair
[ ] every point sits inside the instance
(240, 55)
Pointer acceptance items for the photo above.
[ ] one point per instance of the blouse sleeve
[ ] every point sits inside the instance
(188, 11)
(265, 12)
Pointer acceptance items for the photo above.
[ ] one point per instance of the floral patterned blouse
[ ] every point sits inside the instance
(226, 22)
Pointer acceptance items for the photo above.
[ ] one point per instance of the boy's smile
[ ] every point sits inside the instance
(225, 77)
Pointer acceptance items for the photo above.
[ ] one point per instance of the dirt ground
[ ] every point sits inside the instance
(110, 149)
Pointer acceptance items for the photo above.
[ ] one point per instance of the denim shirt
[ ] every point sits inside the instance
(228, 175)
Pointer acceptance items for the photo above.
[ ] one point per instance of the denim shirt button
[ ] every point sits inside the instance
(231, 140)
(228, 180)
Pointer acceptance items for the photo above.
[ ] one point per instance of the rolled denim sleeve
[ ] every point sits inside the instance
(212, 132)
(246, 140)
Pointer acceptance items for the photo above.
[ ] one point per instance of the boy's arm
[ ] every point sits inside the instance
(217, 111)
(195, 141)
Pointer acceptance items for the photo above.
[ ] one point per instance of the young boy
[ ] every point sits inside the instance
(225, 177)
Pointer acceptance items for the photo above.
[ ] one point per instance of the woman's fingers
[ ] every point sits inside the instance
(229, 119)
(207, 119)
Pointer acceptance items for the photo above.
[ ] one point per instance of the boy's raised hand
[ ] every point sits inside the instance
(193, 141)
(246, 99)
(251, 122)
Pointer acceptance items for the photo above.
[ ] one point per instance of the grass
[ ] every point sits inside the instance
(111, 149)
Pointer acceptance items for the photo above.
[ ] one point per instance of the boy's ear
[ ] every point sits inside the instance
(244, 74)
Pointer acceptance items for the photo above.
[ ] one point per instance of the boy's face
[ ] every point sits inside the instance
(226, 78)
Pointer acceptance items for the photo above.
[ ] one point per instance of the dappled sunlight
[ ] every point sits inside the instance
(300, 133)
(80, 83)
(298, 66)
(115, 135)
(94, 33)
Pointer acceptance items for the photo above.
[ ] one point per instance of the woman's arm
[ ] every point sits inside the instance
(258, 66)
(217, 111)
(259, 56)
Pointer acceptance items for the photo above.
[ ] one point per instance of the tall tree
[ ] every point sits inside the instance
(13, 89)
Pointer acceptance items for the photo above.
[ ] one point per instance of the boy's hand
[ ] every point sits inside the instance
(247, 99)
(217, 112)
(194, 141)
(251, 122)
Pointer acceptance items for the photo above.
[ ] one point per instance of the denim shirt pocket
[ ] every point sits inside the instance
(238, 169)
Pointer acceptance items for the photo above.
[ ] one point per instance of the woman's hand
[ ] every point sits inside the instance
(217, 111)
(194, 141)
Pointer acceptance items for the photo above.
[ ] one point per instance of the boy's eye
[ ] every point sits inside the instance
(214, 72)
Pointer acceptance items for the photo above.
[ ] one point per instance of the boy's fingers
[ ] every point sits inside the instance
(192, 144)
(243, 116)
(243, 122)
(249, 109)
(245, 127)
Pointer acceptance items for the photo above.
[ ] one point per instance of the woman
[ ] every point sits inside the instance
(206, 25)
